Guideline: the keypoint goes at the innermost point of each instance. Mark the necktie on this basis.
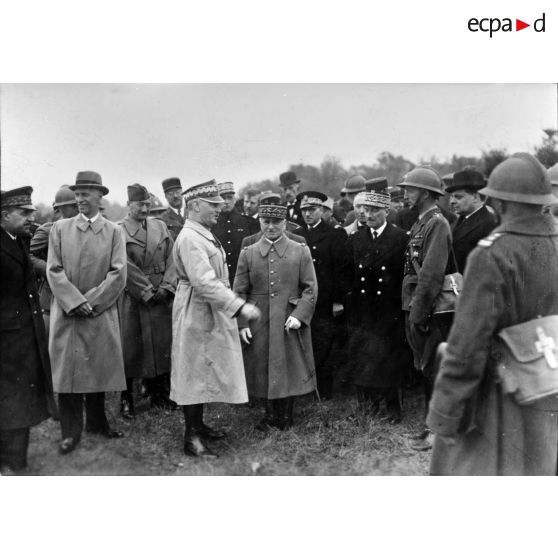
(374, 235)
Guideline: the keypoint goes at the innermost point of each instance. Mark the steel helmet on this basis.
(64, 196)
(156, 205)
(552, 173)
(354, 184)
(425, 178)
(520, 178)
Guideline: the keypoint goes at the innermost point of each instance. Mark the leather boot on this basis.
(193, 444)
(127, 410)
(205, 431)
(268, 419)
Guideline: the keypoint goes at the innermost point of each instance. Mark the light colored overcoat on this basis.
(86, 263)
(280, 280)
(206, 354)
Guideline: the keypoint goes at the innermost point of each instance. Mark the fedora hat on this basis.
(468, 178)
(90, 179)
(288, 179)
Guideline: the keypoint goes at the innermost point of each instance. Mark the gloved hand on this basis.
(292, 323)
(245, 335)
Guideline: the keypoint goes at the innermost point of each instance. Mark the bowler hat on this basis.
(18, 197)
(90, 179)
(288, 179)
(520, 178)
(171, 183)
(468, 178)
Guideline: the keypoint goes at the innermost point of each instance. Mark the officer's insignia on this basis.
(489, 240)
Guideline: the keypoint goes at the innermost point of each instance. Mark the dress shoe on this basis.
(194, 447)
(127, 409)
(67, 445)
(421, 435)
(163, 402)
(424, 445)
(209, 433)
(107, 432)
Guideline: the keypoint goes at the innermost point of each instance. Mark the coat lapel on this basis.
(11, 247)
(154, 237)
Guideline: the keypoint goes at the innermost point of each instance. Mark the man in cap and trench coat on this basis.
(174, 215)
(145, 306)
(25, 380)
(86, 271)
(378, 352)
(277, 275)
(427, 261)
(475, 221)
(206, 353)
(510, 282)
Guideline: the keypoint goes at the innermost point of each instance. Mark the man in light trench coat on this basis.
(206, 354)
(86, 271)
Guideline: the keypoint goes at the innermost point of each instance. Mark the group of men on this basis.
(216, 299)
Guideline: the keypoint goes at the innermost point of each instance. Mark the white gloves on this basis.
(292, 323)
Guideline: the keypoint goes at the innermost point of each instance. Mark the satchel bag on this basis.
(526, 359)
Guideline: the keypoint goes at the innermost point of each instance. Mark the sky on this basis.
(242, 133)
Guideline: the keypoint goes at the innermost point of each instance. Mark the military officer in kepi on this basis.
(378, 353)
(232, 226)
(427, 261)
(174, 216)
(475, 221)
(277, 275)
(327, 248)
(144, 307)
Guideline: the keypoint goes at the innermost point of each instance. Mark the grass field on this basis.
(331, 438)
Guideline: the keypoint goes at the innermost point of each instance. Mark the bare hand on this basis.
(245, 335)
(292, 323)
(250, 312)
(161, 295)
(338, 309)
(83, 310)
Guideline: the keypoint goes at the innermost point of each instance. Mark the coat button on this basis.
(379, 293)
(229, 232)
(228, 253)
(272, 272)
(380, 280)
(313, 260)
(383, 268)
(363, 291)
(271, 261)
(272, 294)
(30, 296)
(313, 247)
(272, 283)
(35, 311)
(362, 279)
(228, 241)
(360, 266)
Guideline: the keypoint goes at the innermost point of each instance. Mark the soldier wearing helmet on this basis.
(344, 209)
(427, 261)
(510, 281)
(65, 207)
(552, 208)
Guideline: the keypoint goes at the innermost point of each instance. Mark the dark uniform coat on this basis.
(230, 229)
(378, 354)
(429, 244)
(146, 327)
(280, 280)
(173, 221)
(294, 215)
(25, 379)
(510, 279)
(468, 231)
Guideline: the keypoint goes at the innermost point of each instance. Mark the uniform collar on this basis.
(195, 226)
(380, 230)
(280, 245)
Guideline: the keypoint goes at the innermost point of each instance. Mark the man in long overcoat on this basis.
(509, 280)
(145, 306)
(173, 216)
(232, 227)
(25, 380)
(86, 271)
(427, 261)
(475, 221)
(207, 362)
(378, 352)
(65, 205)
(326, 246)
(277, 275)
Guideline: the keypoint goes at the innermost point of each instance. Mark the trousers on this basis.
(71, 413)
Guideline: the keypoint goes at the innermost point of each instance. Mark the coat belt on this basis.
(155, 268)
(188, 284)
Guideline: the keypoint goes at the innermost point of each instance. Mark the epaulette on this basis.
(245, 247)
(303, 244)
(489, 240)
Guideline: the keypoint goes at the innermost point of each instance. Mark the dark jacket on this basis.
(327, 246)
(510, 279)
(25, 379)
(467, 232)
(294, 214)
(230, 229)
(38, 252)
(173, 221)
(378, 354)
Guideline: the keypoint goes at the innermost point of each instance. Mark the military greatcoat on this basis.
(378, 353)
(510, 279)
(146, 326)
(25, 379)
(280, 280)
(231, 229)
(206, 354)
(86, 263)
(173, 221)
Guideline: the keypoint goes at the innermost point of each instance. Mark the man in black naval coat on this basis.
(378, 353)
(25, 379)
(232, 227)
(326, 245)
(173, 217)
(475, 220)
